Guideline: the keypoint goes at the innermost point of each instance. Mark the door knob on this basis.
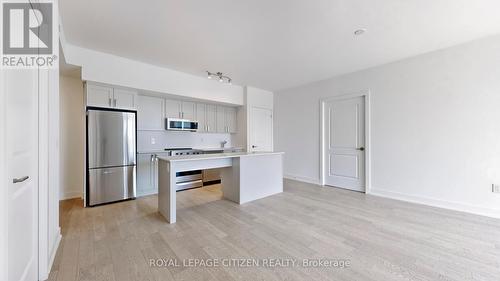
(360, 148)
(254, 146)
(18, 180)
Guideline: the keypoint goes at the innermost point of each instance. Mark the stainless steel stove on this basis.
(188, 179)
(183, 151)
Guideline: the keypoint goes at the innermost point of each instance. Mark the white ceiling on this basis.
(275, 44)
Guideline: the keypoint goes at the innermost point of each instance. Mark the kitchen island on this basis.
(244, 176)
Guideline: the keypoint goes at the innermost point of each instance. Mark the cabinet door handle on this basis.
(151, 177)
(19, 180)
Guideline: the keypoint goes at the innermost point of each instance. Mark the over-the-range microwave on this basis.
(175, 124)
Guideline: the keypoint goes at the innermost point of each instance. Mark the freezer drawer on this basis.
(111, 184)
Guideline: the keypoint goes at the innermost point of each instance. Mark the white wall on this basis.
(253, 97)
(164, 139)
(72, 119)
(435, 124)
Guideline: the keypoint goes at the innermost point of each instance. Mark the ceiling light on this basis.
(220, 76)
(360, 31)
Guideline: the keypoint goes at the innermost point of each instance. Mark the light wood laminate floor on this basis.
(383, 239)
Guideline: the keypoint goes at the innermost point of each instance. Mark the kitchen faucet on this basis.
(223, 143)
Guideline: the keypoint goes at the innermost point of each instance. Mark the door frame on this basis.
(366, 95)
(44, 261)
(3, 182)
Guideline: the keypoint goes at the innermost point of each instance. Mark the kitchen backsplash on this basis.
(158, 140)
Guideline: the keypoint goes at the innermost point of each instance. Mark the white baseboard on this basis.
(52, 254)
(54, 250)
(456, 206)
(302, 179)
(70, 195)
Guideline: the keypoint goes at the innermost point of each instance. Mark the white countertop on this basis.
(195, 148)
(213, 156)
(216, 148)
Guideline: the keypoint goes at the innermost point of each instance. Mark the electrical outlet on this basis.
(495, 188)
(153, 141)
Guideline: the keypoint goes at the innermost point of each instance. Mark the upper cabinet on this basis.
(226, 119)
(173, 108)
(109, 97)
(206, 115)
(99, 96)
(150, 113)
(231, 113)
(201, 117)
(221, 119)
(124, 98)
(211, 118)
(188, 110)
(180, 109)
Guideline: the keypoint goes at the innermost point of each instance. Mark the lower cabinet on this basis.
(147, 178)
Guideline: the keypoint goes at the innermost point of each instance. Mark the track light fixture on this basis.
(220, 76)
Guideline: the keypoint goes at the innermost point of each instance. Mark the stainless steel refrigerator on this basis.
(111, 156)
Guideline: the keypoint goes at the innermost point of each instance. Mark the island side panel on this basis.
(230, 181)
(166, 190)
(260, 176)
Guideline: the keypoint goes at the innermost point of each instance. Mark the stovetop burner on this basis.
(183, 151)
(178, 148)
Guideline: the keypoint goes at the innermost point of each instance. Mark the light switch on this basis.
(153, 141)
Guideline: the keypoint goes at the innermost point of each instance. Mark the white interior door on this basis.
(261, 129)
(344, 159)
(21, 88)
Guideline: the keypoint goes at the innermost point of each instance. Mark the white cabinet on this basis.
(206, 115)
(226, 119)
(231, 123)
(201, 112)
(188, 110)
(211, 118)
(150, 113)
(173, 108)
(109, 97)
(147, 173)
(124, 99)
(180, 109)
(147, 182)
(221, 119)
(99, 96)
